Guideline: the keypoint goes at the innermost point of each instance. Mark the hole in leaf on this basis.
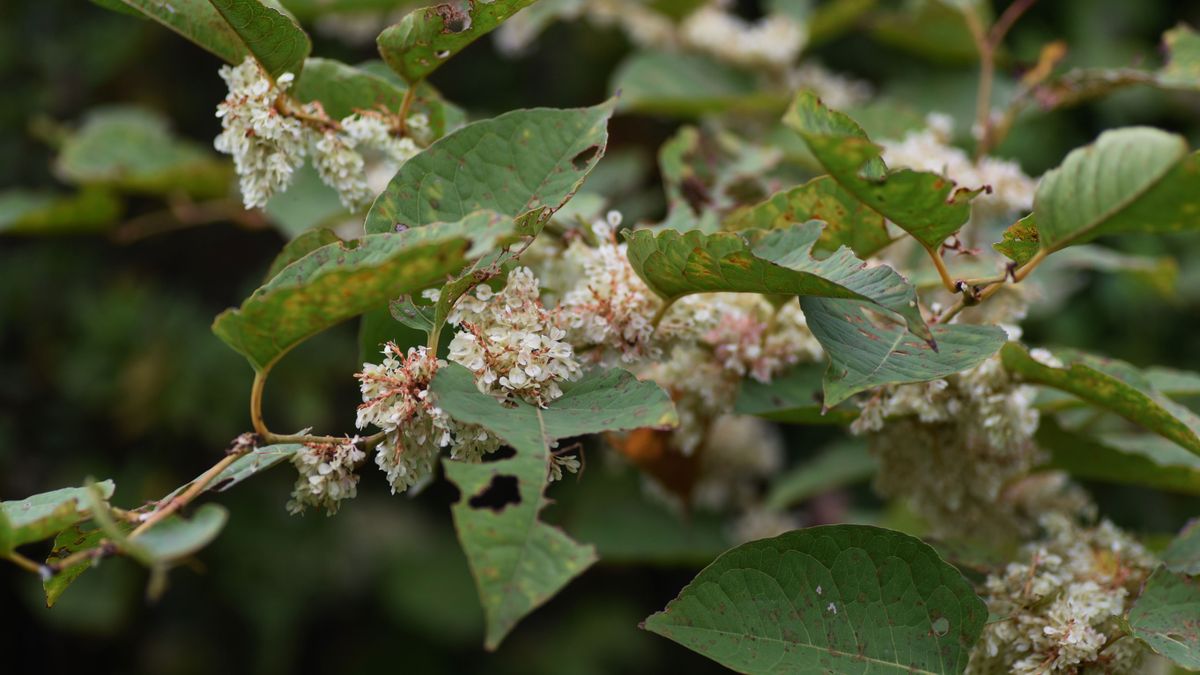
(502, 491)
(503, 452)
(941, 626)
(454, 19)
(581, 160)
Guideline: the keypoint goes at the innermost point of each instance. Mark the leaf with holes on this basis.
(1165, 617)
(831, 599)
(425, 38)
(342, 280)
(1111, 384)
(863, 355)
(848, 222)
(518, 561)
(777, 262)
(1132, 180)
(525, 164)
(44, 515)
(926, 205)
(80, 537)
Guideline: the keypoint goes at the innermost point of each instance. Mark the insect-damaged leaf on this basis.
(341, 280)
(863, 354)
(519, 562)
(427, 37)
(831, 599)
(780, 262)
(1110, 384)
(926, 205)
(524, 164)
(1132, 180)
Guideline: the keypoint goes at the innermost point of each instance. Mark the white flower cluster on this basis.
(396, 398)
(269, 143)
(774, 40)
(836, 91)
(267, 147)
(1062, 608)
(952, 446)
(511, 342)
(327, 475)
(609, 309)
(1011, 190)
(739, 451)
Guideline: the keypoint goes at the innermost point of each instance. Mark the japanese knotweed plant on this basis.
(861, 297)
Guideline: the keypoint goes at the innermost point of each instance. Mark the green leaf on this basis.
(342, 280)
(1183, 61)
(1111, 384)
(525, 164)
(298, 248)
(519, 562)
(40, 213)
(792, 398)
(269, 34)
(1020, 241)
(44, 515)
(307, 204)
(777, 262)
(688, 85)
(1164, 617)
(863, 355)
(426, 38)
(926, 205)
(1128, 458)
(133, 149)
(251, 464)
(1131, 180)
(934, 29)
(1183, 555)
(844, 462)
(343, 90)
(848, 222)
(80, 537)
(832, 599)
(198, 21)
(176, 537)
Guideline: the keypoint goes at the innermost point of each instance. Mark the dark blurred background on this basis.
(108, 367)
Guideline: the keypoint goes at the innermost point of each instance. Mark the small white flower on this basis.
(327, 475)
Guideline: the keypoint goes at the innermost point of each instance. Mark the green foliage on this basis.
(342, 89)
(864, 354)
(525, 164)
(687, 85)
(41, 213)
(425, 38)
(1183, 555)
(842, 463)
(44, 515)
(1134, 180)
(925, 205)
(1128, 458)
(793, 397)
(834, 598)
(1164, 617)
(518, 561)
(132, 149)
(776, 262)
(339, 281)
(848, 222)
(1111, 384)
